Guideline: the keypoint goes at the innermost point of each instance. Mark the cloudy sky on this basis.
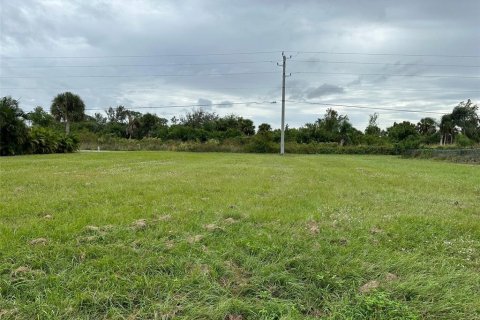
(151, 55)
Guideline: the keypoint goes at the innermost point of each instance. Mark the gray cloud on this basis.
(148, 31)
(324, 90)
(225, 104)
(205, 104)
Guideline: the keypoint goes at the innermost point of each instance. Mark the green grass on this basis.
(237, 236)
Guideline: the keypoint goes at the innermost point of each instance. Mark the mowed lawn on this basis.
(163, 235)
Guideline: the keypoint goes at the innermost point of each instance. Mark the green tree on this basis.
(372, 128)
(117, 115)
(40, 117)
(13, 131)
(465, 116)
(133, 123)
(199, 119)
(447, 129)
(68, 107)
(149, 125)
(264, 128)
(427, 126)
(401, 131)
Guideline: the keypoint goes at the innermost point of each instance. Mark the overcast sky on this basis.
(161, 53)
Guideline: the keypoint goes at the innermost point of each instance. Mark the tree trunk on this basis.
(67, 127)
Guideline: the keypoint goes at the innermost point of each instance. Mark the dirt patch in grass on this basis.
(140, 224)
(230, 221)
(369, 286)
(212, 227)
(376, 230)
(92, 228)
(166, 217)
(195, 238)
(25, 271)
(313, 227)
(20, 271)
(39, 242)
(88, 239)
(339, 241)
(389, 277)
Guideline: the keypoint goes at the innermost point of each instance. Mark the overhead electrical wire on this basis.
(363, 107)
(397, 89)
(127, 88)
(386, 74)
(195, 105)
(385, 54)
(144, 56)
(240, 73)
(248, 73)
(274, 102)
(237, 63)
(247, 53)
(140, 75)
(399, 64)
(141, 65)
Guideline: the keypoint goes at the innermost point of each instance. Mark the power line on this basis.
(140, 76)
(238, 62)
(387, 54)
(242, 53)
(141, 65)
(144, 56)
(196, 105)
(131, 89)
(364, 107)
(310, 86)
(240, 73)
(381, 88)
(390, 64)
(386, 74)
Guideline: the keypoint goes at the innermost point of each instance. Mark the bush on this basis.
(46, 140)
(463, 141)
(411, 142)
(13, 131)
(69, 143)
(261, 143)
(43, 140)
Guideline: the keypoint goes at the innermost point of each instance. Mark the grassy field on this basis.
(162, 235)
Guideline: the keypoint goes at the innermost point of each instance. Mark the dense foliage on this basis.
(199, 130)
(44, 135)
(13, 131)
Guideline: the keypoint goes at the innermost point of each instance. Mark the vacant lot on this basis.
(232, 236)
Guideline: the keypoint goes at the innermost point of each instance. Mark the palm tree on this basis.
(427, 126)
(447, 129)
(68, 107)
(133, 123)
(13, 132)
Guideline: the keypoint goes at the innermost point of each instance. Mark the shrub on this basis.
(261, 143)
(13, 131)
(46, 140)
(43, 140)
(464, 141)
(69, 143)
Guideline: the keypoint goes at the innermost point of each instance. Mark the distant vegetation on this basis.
(67, 127)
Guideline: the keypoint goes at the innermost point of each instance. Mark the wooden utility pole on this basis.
(282, 136)
(282, 129)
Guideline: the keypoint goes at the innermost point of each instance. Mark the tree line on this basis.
(66, 125)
